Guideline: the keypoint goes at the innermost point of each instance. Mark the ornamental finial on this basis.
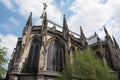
(45, 5)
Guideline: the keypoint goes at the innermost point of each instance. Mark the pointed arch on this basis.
(33, 56)
(55, 55)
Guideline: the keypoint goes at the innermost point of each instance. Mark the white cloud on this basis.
(24, 7)
(54, 14)
(5, 27)
(8, 4)
(8, 41)
(13, 20)
(92, 15)
(62, 4)
(36, 7)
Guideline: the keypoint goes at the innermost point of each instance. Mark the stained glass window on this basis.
(32, 62)
(54, 57)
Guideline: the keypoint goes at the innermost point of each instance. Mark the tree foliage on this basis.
(87, 66)
(3, 61)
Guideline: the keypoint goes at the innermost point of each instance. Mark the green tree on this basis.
(3, 61)
(87, 66)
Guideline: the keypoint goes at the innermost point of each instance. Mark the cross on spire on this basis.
(45, 5)
(44, 10)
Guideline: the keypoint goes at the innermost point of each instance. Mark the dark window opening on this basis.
(55, 56)
(33, 56)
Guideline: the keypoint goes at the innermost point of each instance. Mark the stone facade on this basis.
(42, 50)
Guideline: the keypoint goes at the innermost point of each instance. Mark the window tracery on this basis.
(54, 57)
(32, 62)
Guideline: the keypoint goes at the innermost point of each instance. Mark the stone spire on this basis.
(107, 35)
(28, 24)
(83, 38)
(45, 20)
(112, 55)
(44, 16)
(115, 42)
(29, 21)
(27, 31)
(65, 27)
(95, 34)
(106, 32)
(67, 38)
(82, 34)
(43, 49)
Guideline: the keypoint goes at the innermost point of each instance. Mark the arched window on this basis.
(55, 56)
(32, 61)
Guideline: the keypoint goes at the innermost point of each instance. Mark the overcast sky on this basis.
(90, 14)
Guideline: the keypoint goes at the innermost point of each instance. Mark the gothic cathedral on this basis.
(42, 50)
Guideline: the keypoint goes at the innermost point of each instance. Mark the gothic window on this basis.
(32, 62)
(54, 58)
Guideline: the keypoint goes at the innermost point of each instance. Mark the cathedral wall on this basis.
(26, 51)
(43, 54)
(23, 40)
(27, 78)
(49, 78)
